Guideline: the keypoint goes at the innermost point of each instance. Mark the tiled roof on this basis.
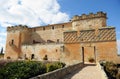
(103, 34)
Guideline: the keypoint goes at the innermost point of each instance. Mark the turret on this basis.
(16, 36)
(90, 21)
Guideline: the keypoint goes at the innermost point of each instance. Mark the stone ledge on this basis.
(59, 73)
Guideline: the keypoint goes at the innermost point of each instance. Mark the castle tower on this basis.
(16, 36)
(90, 21)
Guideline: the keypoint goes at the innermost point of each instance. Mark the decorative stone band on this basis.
(103, 34)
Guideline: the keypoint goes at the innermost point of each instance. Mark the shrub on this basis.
(26, 69)
(45, 58)
(118, 76)
(54, 66)
(111, 69)
(22, 70)
(91, 59)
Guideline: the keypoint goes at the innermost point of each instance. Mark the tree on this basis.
(1, 52)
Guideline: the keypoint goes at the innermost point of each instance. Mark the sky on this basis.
(43, 12)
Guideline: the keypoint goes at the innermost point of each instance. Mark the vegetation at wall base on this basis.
(111, 70)
(26, 69)
(91, 59)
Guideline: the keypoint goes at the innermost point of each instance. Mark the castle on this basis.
(83, 37)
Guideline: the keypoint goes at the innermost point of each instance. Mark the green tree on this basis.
(1, 52)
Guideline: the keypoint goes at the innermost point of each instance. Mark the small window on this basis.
(58, 40)
(33, 41)
(56, 50)
(32, 56)
(62, 26)
(62, 48)
(43, 28)
(12, 42)
(53, 27)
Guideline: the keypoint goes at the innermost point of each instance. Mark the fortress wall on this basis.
(72, 53)
(104, 51)
(104, 43)
(12, 45)
(26, 36)
(107, 51)
(53, 32)
(89, 21)
(53, 51)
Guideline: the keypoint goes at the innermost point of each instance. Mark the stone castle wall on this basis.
(104, 43)
(91, 21)
(53, 33)
(64, 41)
(53, 51)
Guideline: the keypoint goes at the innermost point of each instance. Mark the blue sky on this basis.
(43, 12)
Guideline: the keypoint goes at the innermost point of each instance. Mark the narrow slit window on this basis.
(53, 27)
(43, 28)
(32, 56)
(62, 26)
(12, 42)
(58, 40)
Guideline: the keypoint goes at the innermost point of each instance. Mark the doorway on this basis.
(89, 54)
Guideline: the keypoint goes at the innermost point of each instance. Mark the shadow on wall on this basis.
(36, 38)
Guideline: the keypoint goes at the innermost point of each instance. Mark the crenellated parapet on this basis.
(89, 16)
(17, 28)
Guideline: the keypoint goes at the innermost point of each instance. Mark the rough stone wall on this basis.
(16, 36)
(12, 45)
(104, 43)
(64, 41)
(53, 51)
(50, 32)
(106, 51)
(91, 21)
(72, 53)
(60, 73)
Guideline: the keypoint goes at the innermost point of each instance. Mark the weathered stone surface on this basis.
(65, 41)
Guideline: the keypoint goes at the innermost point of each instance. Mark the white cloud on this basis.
(31, 12)
(3, 33)
(118, 46)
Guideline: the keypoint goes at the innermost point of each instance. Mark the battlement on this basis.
(17, 27)
(89, 16)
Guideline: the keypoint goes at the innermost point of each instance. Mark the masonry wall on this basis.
(103, 51)
(82, 31)
(107, 51)
(53, 51)
(72, 53)
(53, 33)
(12, 45)
(91, 21)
